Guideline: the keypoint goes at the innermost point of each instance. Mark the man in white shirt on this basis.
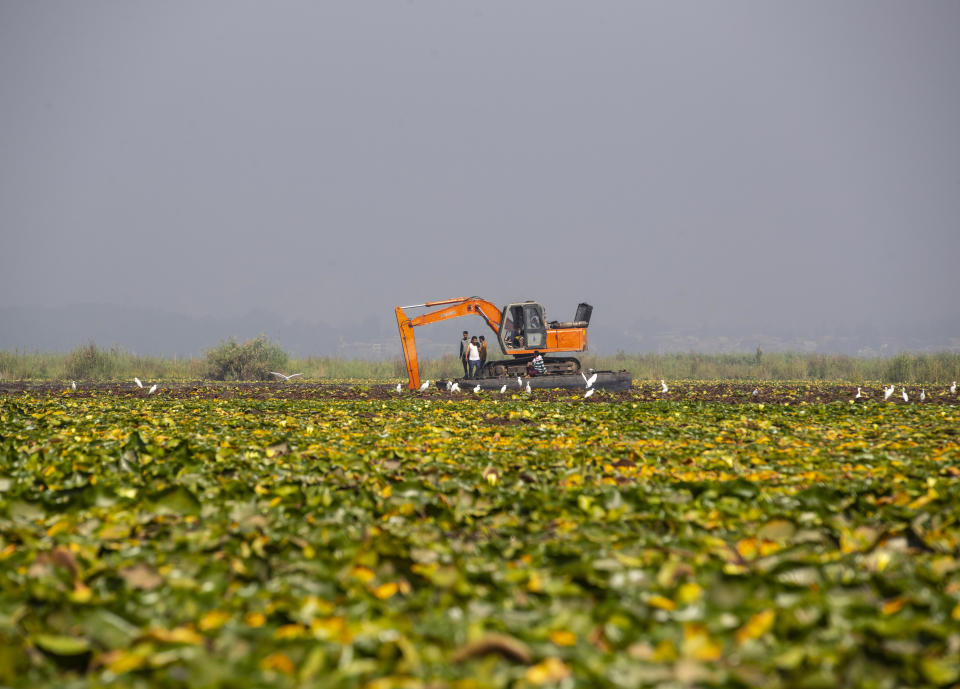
(473, 358)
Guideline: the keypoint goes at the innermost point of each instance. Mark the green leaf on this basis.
(941, 671)
(61, 645)
(777, 530)
(177, 500)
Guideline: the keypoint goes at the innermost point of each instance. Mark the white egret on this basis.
(858, 394)
(519, 382)
(449, 385)
(73, 385)
(923, 394)
(503, 389)
(399, 388)
(286, 377)
(953, 388)
(589, 392)
(153, 389)
(476, 390)
(904, 391)
(528, 386)
(755, 394)
(663, 386)
(424, 385)
(137, 381)
(591, 380)
(584, 375)
(455, 387)
(887, 392)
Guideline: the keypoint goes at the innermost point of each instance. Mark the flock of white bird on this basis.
(888, 393)
(588, 386)
(153, 388)
(664, 388)
(589, 389)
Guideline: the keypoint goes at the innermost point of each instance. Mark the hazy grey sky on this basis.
(781, 163)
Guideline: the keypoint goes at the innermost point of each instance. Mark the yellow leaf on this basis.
(180, 635)
(81, 593)
(562, 637)
(747, 548)
(535, 583)
(255, 619)
(662, 602)
(769, 547)
(59, 527)
(698, 644)
(126, 661)
(893, 606)
(290, 631)
(664, 652)
(550, 670)
(213, 620)
(331, 628)
(362, 573)
(385, 591)
(689, 592)
(278, 661)
(386, 492)
(757, 626)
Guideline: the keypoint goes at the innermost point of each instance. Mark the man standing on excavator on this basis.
(463, 351)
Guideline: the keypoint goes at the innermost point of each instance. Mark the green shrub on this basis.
(252, 360)
(89, 363)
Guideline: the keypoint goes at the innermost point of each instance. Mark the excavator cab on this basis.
(523, 327)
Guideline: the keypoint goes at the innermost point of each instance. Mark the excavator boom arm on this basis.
(454, 308)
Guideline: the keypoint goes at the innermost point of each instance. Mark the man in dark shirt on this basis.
(463, 351)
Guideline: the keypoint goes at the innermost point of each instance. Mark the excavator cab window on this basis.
(536, 328)
(512, 332)
(523, 327)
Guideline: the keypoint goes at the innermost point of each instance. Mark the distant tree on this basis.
(759, 355)
(252, 360)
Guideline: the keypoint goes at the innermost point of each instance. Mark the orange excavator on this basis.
(521, 329)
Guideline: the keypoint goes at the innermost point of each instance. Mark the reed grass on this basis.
(90, 363)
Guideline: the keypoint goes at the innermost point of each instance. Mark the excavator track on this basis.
(505, 368)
